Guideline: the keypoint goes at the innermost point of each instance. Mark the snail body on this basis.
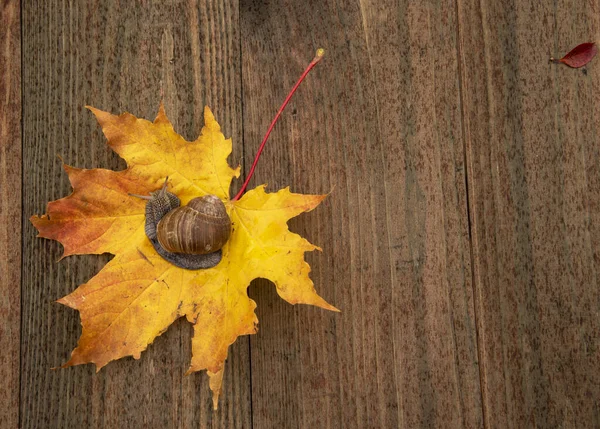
(191, 236)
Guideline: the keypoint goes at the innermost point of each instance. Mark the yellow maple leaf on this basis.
(138, 294)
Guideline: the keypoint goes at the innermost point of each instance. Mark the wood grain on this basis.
(10, 211)
(378, 124)
(461, 238)
(116, 56)
(532, 137)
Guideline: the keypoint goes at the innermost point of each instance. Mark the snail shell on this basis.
(200, 227)
(195, 233)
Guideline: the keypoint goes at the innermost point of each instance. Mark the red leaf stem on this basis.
(316, 59)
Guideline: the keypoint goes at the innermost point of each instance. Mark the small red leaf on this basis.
(579, 56)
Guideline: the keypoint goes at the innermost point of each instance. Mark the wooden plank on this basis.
(10, 211)
(115, 56)
(532, 136)
(378, 122)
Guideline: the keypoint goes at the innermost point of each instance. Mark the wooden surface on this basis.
(533, 151)
(10, 211)
(394, 230)
(460, 240)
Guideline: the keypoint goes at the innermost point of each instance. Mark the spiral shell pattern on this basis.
(201, 227)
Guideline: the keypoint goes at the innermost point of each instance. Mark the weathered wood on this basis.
(378, 123)
(115, 56)
(532, 138)
(435, 316)
(10, 211)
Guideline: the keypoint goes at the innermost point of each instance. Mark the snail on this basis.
(191, 236)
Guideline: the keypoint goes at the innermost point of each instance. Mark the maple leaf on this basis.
(138, 294)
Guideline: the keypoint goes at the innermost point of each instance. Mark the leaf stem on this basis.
(316, 59)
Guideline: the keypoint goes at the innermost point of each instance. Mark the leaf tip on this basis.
(72, 300)
(99, 114)
(69, 362)
(161, 116)
(102, 117)
(215, 381)
(35, 221)
(209, 120)
(310, 298)
(325, 305)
